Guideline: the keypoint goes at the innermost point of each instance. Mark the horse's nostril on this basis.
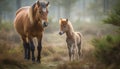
(45, 24)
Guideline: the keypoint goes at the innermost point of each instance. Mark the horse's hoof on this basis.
(38, 61)
(33, 60)
(28, 58)
(25, 58)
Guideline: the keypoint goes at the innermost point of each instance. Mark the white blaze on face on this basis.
(44, 9)
(43, 22)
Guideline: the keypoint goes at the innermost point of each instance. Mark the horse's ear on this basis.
(47, 4)
(60, 20)
(33, 6)
(38, 3)
(66, 20)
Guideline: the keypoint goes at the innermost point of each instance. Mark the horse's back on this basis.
(20, 19)
(22, 9)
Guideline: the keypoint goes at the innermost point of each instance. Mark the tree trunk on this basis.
(67, 12)
(0, 17)
(59, 11)
(105, 6)
(18, 3)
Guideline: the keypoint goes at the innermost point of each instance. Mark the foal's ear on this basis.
(66, 20)
(60, 18)
(47, 4)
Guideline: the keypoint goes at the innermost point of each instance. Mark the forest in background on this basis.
(85, 10)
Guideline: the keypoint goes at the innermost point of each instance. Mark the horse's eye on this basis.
(40, 12)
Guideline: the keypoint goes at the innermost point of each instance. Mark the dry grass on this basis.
(54, 50)
(11, 56)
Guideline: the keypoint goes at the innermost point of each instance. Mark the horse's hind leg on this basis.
(32, 47)
(26, 48)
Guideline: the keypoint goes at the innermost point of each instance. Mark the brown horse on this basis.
(30, 22)
(73, 38)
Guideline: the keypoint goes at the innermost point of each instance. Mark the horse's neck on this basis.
(69, 33)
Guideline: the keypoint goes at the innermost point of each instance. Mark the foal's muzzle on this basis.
(45, 24)
(61, 32)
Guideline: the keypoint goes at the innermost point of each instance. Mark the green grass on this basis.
(107, 50)
(7, 26)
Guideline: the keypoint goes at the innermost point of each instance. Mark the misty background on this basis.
(81, 10)
(97, 20)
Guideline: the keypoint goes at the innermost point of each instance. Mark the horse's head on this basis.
(63, 26)
(40, 12)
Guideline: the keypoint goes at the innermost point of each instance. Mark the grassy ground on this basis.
(54, 52)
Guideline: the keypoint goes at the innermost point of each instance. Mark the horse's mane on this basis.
(30, 14)
(70, 25)
(29, 10)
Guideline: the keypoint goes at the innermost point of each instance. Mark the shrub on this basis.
(107, 50)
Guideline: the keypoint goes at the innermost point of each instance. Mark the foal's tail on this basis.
(80, 35)
(82, 40)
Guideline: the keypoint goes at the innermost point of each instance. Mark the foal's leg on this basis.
(69, 51)
(73, 51)
(26, 48)
(39, 48)
(32, 47)
(79, 49)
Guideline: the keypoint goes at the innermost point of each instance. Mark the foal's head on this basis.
(64, 26)
(40, 12)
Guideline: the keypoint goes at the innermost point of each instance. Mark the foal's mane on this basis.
(70, 26)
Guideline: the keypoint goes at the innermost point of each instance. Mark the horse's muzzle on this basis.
(60, 33)
(45, 24)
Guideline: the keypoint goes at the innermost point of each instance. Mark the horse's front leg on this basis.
(39, 48)
(32, 47)
(26, 48)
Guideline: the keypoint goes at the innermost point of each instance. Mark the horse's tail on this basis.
(80, 35)
(82, 40)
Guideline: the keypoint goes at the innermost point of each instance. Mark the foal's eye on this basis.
(64, 26)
